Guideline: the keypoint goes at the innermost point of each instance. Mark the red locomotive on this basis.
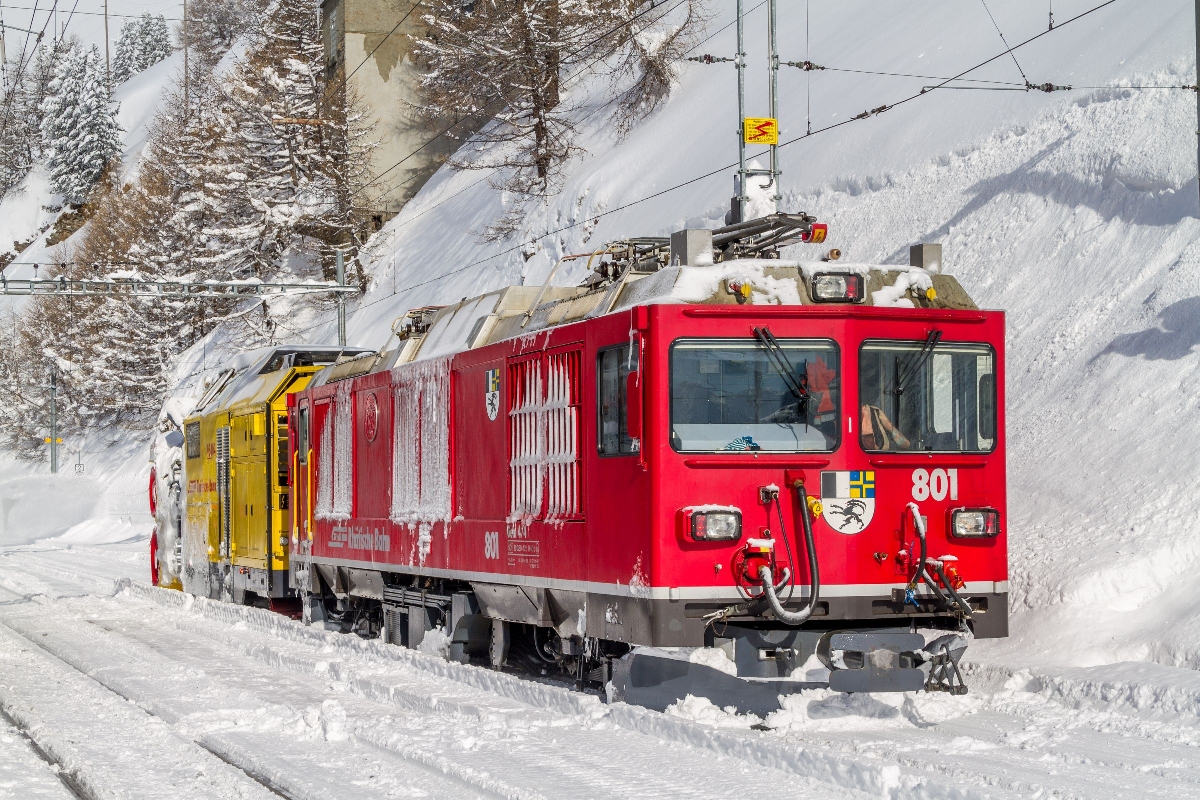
(702, 453)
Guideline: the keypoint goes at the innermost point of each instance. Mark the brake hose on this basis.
(787, 544)
(919, 524)
(922, 571)
(962, 604)
(768, 581)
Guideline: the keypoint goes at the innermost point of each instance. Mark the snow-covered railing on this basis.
(198, 290)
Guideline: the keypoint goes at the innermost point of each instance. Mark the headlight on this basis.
(837, 287)
(716, 525)
(975, 523)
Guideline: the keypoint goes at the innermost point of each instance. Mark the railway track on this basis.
(298, 712)
(298, 722)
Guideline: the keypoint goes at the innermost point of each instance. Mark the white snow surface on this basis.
(116, 680)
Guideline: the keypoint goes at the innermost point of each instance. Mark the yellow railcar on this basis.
(236, 514)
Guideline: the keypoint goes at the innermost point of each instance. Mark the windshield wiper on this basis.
(909, 370)
(784, 367)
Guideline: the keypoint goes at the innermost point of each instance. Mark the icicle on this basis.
(421, 443)
(324, 509)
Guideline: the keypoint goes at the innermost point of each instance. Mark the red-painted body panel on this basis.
(623, 525)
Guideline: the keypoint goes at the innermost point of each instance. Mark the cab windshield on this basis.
(931, 396)
(734, 394)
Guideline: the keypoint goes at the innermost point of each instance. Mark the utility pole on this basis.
(107, 64)
(186, 105)
(1198, 91)
(3, 56)
(773, 57)
(53, 421)
(341, 298)
(740, 63)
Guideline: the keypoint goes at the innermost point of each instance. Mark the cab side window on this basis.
(302, 436)
(613, 366)
(191, 432)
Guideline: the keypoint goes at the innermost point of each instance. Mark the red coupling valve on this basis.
(956, 581)
(750, 560)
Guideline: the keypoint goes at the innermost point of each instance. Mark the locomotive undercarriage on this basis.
(865, 643)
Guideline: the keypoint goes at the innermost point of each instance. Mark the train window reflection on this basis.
(932, 396)
(731, 394)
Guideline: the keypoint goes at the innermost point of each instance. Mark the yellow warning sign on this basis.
(760, 130)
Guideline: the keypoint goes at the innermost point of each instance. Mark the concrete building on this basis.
(381, 70)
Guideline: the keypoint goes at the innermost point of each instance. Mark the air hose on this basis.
(768, 581)
(922, 570)
(962, 604)
(919, 524)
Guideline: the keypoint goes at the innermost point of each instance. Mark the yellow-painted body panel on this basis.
(242, 518)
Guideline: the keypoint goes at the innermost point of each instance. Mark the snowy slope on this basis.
(430, 242)
(1075, 212)
(23, 213)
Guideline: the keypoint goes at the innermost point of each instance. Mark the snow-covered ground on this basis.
(132, 692)
(1075, 212)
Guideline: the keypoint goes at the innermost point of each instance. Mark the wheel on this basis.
(498, 646)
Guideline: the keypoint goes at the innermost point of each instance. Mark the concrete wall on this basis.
(387, 83)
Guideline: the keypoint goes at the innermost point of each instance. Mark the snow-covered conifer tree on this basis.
(80, 133)
(124, 63)
(143, 43)
(21, 113)
(155, 40)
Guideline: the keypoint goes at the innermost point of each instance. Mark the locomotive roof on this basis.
(259, 372)
(506, 313)
(510, 312)
(735, 264)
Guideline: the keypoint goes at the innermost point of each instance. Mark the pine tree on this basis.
(124, 63)
(20, 109)
(80, 133)
(143, 43)
(155, 40)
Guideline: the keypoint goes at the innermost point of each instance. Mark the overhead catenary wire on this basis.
(101, 13)
(864, 115)
(924, 91)
(809, 66)
(1010, 52)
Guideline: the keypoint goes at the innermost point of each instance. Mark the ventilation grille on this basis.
(544, 415)
(223, 487)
